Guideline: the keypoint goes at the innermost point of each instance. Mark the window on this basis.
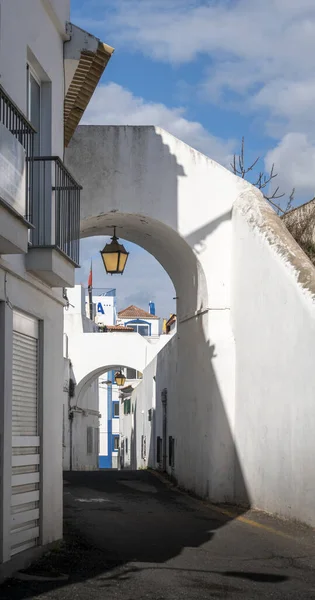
(126, 446)
(127, 406)
(116, 442)
(132, 374)
(139, 326)
(171, 451)
(96, 440)
(34, 105)
(89, 440)
(143, 329)
(116, 410)
(64, 427)
(158, 449)
(143, 447)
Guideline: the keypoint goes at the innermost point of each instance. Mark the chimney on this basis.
(152, 308)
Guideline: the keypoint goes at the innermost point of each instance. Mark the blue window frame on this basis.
(115, 443)
(140, 326)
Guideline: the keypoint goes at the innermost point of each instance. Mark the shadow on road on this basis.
(122, 525)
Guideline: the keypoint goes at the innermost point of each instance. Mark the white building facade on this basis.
(109, 421)
(105, 308)
(143, 322)
(80, 424)
(97, 352)
(146, 324)
(40, 91)
(238, 379)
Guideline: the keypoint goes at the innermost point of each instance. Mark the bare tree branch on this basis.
(241, 171)
(263, 179)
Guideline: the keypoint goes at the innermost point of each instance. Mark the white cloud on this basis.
(179, 30)
(290, 105)
(114, 105)
(251, 45)
(261, 62)
(294, 158)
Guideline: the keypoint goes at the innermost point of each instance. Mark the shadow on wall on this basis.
(197, 441)
(206, 458)
(143, 204)
(138, 191)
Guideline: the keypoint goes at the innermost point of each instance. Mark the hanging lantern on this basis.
(114, 256)
(120, 378)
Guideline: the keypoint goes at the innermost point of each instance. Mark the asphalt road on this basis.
(131, 536)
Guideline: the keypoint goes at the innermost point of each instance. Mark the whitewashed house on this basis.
(105, 307)
(48, 71)
(109, 421)
(80, 423)
(145, 323)
(111, 409)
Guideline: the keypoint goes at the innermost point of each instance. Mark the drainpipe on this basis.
(164, 421)
(71, 415)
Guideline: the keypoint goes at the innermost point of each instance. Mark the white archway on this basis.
(92, 354)
(176, 203)
(164, 196)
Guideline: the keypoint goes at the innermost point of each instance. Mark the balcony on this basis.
(55, 214)
(16, 146)
(37, 194)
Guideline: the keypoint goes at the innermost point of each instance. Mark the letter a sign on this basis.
(100, 308)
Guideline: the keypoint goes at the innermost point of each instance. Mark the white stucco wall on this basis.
(105, 307)
(92, 354)
(43, 306)
(75, 323)
(66, 463)
(34, 29)
(82, 461)
(74, 443)
(274, 325)
(29, 34)
(75, 319)
(157, 376)
(176, 203)
(60, 8)
(273, 310)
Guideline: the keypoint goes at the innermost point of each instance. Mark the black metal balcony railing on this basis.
(52, 202)
(14, 120)
(55, 202)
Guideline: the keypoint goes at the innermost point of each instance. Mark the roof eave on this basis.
(93, 58)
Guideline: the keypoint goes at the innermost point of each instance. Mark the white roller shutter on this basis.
(24, 385)
(25, 499)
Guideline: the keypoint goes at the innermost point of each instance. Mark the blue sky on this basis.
(209, 71)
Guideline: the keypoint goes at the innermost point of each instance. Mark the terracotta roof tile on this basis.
(117, 328)
(135, 312)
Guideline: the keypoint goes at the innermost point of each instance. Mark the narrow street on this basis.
(131, 536)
